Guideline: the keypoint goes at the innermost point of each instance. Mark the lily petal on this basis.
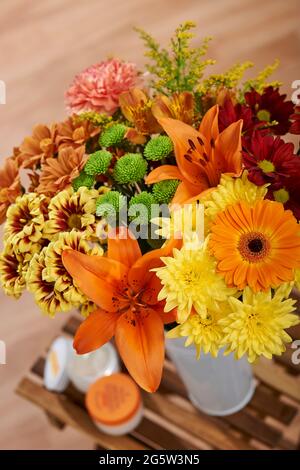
(228, 149)
(140, 341)
(164, 172)
(209, 125)
(185, 192)
(167, 317)
(183, 136)
(149, 296)
(123, 247)
(85, 272)
(95, 331)
(139, 275)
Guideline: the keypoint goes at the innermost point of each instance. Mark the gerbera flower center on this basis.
(74, 221)
(253, 246)
(266, 166)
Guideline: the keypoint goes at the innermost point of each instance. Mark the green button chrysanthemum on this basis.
(98, 163)
(130, 168)
(113, 135)
(140, 207)
(158, 148)
(110, 204)
(83, 180)
(163, 191)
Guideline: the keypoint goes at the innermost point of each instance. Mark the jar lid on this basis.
(55, 373)
(113, 400)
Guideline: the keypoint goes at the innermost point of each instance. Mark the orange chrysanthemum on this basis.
(58, 173)
(10, 186)
(256, 246)
(36, 148)
(74, 133)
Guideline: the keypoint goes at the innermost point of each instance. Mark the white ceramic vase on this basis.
(217, 386)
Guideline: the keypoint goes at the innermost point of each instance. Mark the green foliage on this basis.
(164, 191)
(158, 148)
(112, 135)
(110, 204)
(83, 180)
(140, 206)
(98, 163)
(130, 168)
(181, 67)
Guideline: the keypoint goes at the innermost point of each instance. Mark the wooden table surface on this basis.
(43, 43)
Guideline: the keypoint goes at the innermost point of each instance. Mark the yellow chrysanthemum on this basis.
(13, 269)
(182, 223)
(205, 334)
(190, 280)
(49, 300)
(55, 270)
(70, 210)
(256, 325)
(230, 191)
(25, 222)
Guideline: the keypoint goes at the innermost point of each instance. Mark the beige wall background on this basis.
(43, 43)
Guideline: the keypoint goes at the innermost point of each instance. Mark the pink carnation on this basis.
(99, 86)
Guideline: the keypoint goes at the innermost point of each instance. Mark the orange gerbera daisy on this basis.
(201, 156)
(58, 173)
(125, 290)
(258, 246)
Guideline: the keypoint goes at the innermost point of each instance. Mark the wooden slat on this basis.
(217, 432)
(266, 403)
(157, 437)
(262, 401)
(254, 427)
(286, 360)
(72, 325)
(205, 428)
(148, 432)
(38, 367)
(274, 376)
(73, 415)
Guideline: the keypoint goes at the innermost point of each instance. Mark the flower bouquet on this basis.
(166, 197)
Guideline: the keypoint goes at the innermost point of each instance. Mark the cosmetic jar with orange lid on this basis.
(115, 404)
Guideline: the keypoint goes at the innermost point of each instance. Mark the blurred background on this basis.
(43, 44)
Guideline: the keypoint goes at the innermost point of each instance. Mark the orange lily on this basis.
(136, 107)
(125, 290)
(178, 106)
(201, 156)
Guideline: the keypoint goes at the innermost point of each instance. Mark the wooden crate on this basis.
(270, 421)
